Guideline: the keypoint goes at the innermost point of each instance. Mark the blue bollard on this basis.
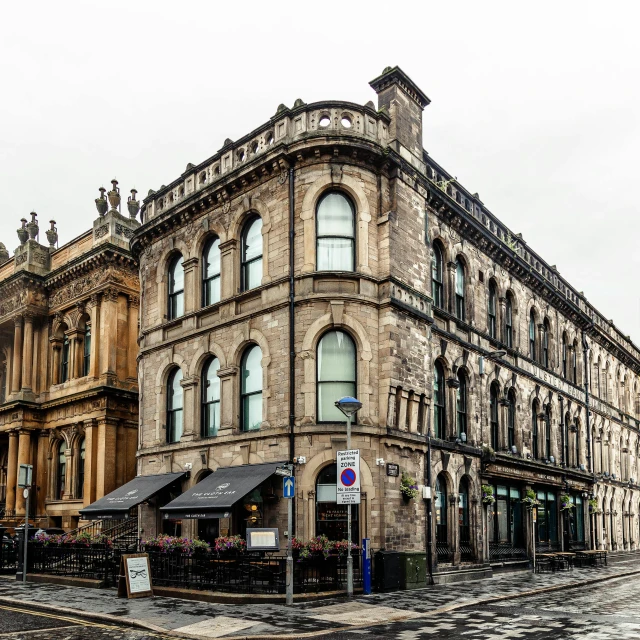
(366, 566)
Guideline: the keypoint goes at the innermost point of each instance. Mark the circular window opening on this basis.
(203, 177)
(181, 191)
(216, 171)
(325, 121)
(346, 122)
(269, 138)
(254, 147)
(171, 197)
(241, 155)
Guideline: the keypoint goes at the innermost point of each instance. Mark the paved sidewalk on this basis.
(189, 619)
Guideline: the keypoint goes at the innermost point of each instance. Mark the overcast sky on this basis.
(536, 106)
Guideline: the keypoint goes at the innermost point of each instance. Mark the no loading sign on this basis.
(348, 485)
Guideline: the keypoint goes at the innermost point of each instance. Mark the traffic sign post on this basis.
(289, 492)
(348, 492)
(25, 476)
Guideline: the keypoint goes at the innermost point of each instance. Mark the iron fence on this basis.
(505, 552)
(8, 556)
(444, 552)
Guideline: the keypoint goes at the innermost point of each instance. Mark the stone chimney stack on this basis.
(404, 102)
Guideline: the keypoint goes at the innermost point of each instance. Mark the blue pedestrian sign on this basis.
(288, 487)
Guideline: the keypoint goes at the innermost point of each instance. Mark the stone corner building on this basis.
(68, 370)
(327, 254)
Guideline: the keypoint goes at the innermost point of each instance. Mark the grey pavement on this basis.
(480, 609)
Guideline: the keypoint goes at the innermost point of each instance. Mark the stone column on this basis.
(24, 457)
(17, 355)
(540, 343)
(37, 359)
(229, 408)
(132, 351)
(68, 475)
(229, 274)
(94, 312)
(190, 284)
(56, 345)
(105, 456)
(89, 491)
(451, 287)
(109, 332)
(42, 472)
(27, 353)
(190, 397)
(501, 320)
(12, 473)
(455, 530)
(75, 353)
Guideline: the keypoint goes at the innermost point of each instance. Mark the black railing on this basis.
(547, 547)
(506, 552)
(241, 573)
(444, 553)
(8, 556)
(248, 573)
(97, 562)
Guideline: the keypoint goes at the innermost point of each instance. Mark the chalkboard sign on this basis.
(135, 576)
(393, 469)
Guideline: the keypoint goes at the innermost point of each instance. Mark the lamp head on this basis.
(348, 405)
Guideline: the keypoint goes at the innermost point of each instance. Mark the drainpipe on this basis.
(585, 348)
(292, 348)
(428, 502)
(563, 434)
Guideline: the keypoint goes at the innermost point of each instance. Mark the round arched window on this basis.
(335, 233)
(336, 363)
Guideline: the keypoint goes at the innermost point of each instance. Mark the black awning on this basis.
(117, 503)
(218, 492)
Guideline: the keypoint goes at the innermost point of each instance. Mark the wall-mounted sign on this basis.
(393, 470)
(135, 576)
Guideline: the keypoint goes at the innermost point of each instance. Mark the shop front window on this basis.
(442, 538)
(505, 526)
(331, 518)
(466, 551)
(547, 525)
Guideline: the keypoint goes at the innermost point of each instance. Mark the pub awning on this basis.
(216, 494)
(116, 504)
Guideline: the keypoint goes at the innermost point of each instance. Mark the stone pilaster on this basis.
(12, 473)
(16, 382)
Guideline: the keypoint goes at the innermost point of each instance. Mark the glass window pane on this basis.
(336, 358)
(335, 254)
(328, 393)
(459, 279)
(176, 279)
(326, 493)
(177, 305)
(212, 419)
(212, 381)
(253, 240)
(177, 426)
(212, 290)
(175, 390)
(252, 370)
(335, 216)
(253, 274)
(252, 412)
(212, 259)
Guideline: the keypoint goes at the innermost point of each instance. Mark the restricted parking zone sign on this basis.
(348, 485)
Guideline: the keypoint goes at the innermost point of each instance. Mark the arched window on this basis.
(508, 321)
(439, 407)
(211, 272)
(64, 360)
(176, 288)
(460, 290)
(547, 431)
(174, 406)
(331, 518)
(532, 334)
(534, 430)
(437, 283)
(336, 363)
(86, 363)
(82, 452)
(62, 470)
(251, 392)
(210, 398)
(599, 385)
(511, 419)
(251, 266)
(442, 538)
(493, 415)
(461, 403)
(545, 343)
(564, 355)
(335, 233)
(466, 550)
(492, 319)
(574, 363)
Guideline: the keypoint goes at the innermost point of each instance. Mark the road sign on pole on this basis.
(348, 486)
(288, 487)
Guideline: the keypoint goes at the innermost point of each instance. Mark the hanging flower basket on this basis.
(487, 494)
(530, 499)
(408, 487)
(565, 502)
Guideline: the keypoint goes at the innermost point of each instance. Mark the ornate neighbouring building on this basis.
(68, 371)
(327, 254)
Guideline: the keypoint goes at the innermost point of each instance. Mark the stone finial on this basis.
(32, 226)
(298, 103)
(101, 202)
(114, 195)
(133, 205)
(52, 234)
(4, 254)
(23, 234)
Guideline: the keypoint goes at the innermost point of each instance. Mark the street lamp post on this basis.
(349, 406)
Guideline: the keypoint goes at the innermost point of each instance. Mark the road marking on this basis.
(12, 634)
(75, 621)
